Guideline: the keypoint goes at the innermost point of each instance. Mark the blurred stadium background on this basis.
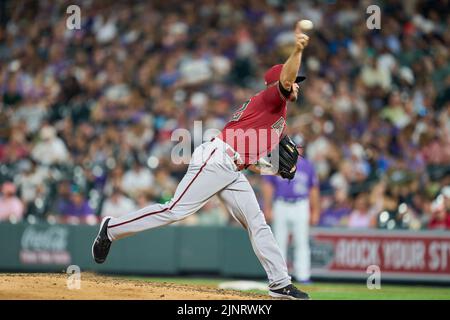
(87, 115)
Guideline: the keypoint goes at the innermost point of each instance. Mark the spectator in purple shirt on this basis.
(337, 213)
(295, 206)
(77, 209)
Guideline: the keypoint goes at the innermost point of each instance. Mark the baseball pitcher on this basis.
(255, 130)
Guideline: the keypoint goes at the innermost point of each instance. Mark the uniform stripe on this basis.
(165, 209)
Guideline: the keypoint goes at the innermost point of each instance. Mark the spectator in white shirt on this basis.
(50, 149)
(137, 179)
(117, 204)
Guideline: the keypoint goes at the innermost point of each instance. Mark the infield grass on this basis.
(335, 291)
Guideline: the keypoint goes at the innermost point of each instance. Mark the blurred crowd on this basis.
(87, 115)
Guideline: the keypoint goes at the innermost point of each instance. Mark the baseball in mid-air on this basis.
(306, 25)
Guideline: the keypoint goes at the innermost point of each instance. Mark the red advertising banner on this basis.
(399, 255)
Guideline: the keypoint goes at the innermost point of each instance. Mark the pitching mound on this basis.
(97, 287)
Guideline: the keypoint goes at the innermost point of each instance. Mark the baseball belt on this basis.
(234, 155)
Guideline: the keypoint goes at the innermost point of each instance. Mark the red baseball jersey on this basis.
(257, 126)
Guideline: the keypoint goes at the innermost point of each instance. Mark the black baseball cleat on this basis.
(289, 292)
(101, 245)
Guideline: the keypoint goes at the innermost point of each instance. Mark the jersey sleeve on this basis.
(273, 95)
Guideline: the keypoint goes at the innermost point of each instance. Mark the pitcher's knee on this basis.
(168, 213)
(177, 213)
(176, 216)
(261, 229)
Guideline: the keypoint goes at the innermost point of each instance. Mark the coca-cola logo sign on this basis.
(46, 245)
(50, 239)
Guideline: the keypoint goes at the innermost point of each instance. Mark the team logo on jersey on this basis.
(237, 115)
(279, 125)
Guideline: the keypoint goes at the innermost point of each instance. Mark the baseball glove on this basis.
(288, 156)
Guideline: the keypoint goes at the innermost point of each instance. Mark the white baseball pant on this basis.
(294, 217)
(212, 171)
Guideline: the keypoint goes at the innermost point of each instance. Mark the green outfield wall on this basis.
(225, 251)
(170, 250)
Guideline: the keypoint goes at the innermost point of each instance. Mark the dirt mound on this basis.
(98, 287)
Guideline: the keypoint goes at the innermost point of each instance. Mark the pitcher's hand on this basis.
(301, 39)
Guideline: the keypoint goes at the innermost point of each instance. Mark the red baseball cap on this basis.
(273, 75)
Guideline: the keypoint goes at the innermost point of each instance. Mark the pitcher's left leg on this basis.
(241, 202)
